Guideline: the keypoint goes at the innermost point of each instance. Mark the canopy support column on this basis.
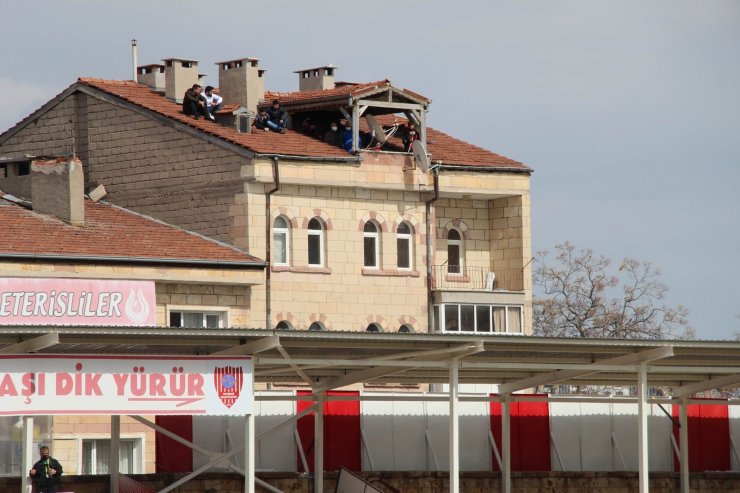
(454, 428)
(642, 429)
(115, 451)
(318, 455)
(506, 443)
(26, 454)
(249, 454)
(683, 437)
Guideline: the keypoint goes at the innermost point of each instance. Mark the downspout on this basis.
(430, 279)
(268, 238)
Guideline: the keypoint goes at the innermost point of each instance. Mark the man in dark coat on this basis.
(46, 472)
(278, 117)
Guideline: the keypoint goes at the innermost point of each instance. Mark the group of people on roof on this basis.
(274, 118)
(199, 103)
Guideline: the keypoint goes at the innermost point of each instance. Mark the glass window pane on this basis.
(126, 457)
(453, 259)
(280, 223)
(314, 224)
(437, 318)
(192, 319)
(483, 318)
(499, 320)
(467, 317)
(175, 319)
(87, 451)
(102, 455)
(402, 245)
(314, 249)
(451, 318)
(515, 319)
(453, 235)
(280, 250)
(403, 229)
(370, 228)
(213, 321)
(370, 252)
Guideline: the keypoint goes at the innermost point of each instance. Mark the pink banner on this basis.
(25, 301)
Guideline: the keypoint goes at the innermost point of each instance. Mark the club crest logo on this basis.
(228, 381)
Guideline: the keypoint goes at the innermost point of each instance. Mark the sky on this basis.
(627, 110)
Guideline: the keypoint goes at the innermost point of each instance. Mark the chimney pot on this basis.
(180, 75)
(242, 82)
(316, 79)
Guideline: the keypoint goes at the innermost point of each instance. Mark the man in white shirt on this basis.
(214, 102)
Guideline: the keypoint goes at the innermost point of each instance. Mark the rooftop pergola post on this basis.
(115, 451)
(26, 454)
(318, 454)
(506, 443)
(249, 453)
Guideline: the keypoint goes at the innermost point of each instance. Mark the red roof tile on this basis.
(290, 143)
(108, 232)
(443, 147)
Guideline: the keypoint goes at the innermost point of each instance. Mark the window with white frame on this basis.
(96, 454)
(197, 319)
(482, 319)
(315, 243)
(280, 241)
(404, 246)
(454, 252)
(371, 245)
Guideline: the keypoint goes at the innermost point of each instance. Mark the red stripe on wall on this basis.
(172, 456)
(530, 435)
(342, 436)
(709, 437)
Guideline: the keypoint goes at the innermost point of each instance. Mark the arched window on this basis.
(280, 241)
(404, 246)
(371, 245)
(454, 253)
(374, 327)
(284, 325)
(315, 243)
(406, 329)
(316, 326)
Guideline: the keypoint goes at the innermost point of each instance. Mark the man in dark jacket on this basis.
(194, 103)
(278, 117)
(46, 472)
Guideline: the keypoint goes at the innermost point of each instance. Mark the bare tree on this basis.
(581, 298)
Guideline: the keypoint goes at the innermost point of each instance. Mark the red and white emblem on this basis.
(228, 381)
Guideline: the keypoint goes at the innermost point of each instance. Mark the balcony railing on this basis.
(472, 278)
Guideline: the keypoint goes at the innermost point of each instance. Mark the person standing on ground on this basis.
(46, 472)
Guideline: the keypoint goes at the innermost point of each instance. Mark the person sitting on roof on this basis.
(278, 117)
(194, 104)
(410, 135)
(346, 135)
(260, 121)
(214, 102)
(332, 136)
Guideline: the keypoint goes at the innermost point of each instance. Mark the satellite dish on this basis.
(376, 128)
(420, 155)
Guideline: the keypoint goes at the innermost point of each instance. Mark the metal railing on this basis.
(473, 278)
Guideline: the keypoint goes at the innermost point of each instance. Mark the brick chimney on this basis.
(242, 82)
(58, 189)
(151, 75)
(180, 75)
(316, 79)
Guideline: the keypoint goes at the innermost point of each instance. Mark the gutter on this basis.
(133, 260)
(310, 158)
(268, 238)
(430, 280)
(483, 168)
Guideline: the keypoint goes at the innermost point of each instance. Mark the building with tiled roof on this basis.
(372, 239)
(71, 260)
